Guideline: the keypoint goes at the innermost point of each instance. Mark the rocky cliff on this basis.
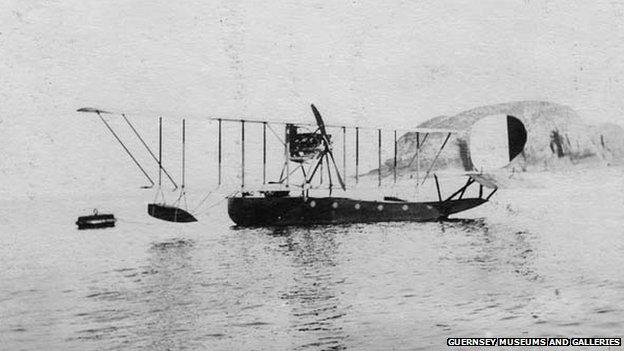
(557, 137)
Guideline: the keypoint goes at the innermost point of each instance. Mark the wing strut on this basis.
(395, 156)
(357, 155)
(160, 166)
(418, 158)
(99, 113)
(264, 143)
(436, 158)
(242, 154)
(419, 145)
(219, 152)
(379, 157)
(344, 152)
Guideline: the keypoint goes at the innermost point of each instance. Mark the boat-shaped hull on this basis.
(282, 211)
(170, 213)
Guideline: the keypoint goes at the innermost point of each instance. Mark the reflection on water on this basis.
(493, 247)
(168, 294)
(313, 297)
(500, 255)
(158, 295)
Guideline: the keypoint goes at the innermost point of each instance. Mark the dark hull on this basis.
(96, 225)
(259, 211)
(96, 221)
(170, 213)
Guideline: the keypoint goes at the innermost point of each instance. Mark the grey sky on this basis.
(355, 59)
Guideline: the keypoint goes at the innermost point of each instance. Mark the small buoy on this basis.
(96, 221)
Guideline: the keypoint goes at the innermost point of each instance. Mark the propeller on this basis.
(321, 126)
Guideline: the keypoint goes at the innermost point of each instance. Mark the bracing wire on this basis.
(205, 198)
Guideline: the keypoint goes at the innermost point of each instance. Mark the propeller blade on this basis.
(342, 184)
(319, 119)
(321, 126)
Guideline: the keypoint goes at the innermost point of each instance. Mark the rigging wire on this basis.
(126, 149)
(149, 150)
(196, 211)
(276, 135)
(211, 192)
(121, 219)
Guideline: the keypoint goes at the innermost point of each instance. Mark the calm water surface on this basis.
(542, 259)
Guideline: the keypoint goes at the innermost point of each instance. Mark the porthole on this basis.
(357, 206)
(380, 207)
(312, 203)
(404, 207)
(335, 205)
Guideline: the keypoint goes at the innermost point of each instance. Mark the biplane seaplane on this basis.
(296, 197)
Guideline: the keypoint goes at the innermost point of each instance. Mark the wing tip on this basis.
(91, 110)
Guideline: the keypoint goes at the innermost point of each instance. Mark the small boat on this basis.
(96, 221)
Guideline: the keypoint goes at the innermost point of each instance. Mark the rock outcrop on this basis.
(557, 138)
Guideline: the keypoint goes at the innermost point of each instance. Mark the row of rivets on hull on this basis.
(358, 206)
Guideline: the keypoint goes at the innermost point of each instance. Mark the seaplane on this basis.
(300, 196)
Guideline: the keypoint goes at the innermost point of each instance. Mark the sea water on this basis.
(543, 258)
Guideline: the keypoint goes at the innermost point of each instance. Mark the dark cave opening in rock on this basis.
(516, 136)
(556, 144)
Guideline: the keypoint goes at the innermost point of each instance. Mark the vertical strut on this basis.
(417, 160)
(264, 124)
(329, 175)
(357, 154)
(344, 154)
(183, 151)
(438, 187)
(379, 157)
(219, 151)
(321, 171)
(242, 153)
(159, 151)
(149, 150)
(287, 154)
(395, 157)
